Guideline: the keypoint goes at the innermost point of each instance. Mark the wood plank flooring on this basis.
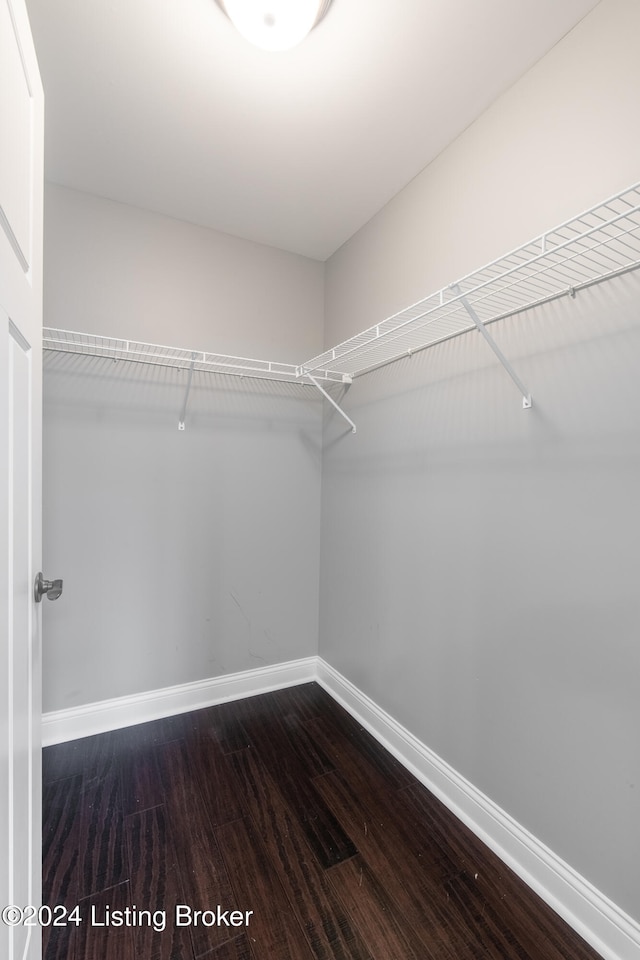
(282, 809)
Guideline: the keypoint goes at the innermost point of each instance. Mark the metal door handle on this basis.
(52, 588)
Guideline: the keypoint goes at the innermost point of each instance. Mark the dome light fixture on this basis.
(275, 24)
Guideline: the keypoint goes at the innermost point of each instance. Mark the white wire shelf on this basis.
(88, 344)
(598, 244)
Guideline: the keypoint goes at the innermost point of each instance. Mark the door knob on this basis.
(52, 588)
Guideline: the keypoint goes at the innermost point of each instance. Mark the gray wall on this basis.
(561, 139)
(192, 554)
(479, 562)
(120, 271)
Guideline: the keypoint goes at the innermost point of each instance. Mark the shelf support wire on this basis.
(331, 400)
(183, 412)
(526, 396)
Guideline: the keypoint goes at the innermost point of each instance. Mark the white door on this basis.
(21, 181)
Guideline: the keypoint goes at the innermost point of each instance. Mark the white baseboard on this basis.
(609, 930)
(88, 719)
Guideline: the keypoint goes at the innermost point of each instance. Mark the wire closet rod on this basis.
(599, 244)
(92, 345)
(113, 348)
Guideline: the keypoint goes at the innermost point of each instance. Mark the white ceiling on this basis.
(161, 104)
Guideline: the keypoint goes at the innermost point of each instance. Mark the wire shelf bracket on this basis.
(183, 412)
(526, 396)
(331, 400)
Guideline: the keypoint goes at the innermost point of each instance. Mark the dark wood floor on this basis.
(283, 806)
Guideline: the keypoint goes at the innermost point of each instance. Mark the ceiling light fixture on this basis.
(275, 24)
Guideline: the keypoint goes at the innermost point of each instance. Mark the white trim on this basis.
(59, 726)
(614, 934)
